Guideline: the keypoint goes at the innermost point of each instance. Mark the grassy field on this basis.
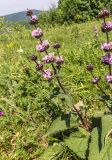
(24, 95)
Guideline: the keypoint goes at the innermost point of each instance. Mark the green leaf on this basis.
(66, 121)
(106, 127)
(93, 147)
(78, 143)
(52, 152)
(106, 152)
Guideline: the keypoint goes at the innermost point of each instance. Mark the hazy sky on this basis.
(12, 6)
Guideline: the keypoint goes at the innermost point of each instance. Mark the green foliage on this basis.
(78, 143)
(106, 127)
(52, 152)
(62, 123)
(94, 145)
(106, 153)
(75, 10)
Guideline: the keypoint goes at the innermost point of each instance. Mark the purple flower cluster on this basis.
(47, 74)
(106, 27)
(108, 78)
(107, 47)
(107, 59)
(37, 33)
(95, 80)
(48, 58)
(43, 46)
(55, 60)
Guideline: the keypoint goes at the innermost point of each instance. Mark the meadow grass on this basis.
(24, 95)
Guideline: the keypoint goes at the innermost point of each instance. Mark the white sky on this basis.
(13, 6)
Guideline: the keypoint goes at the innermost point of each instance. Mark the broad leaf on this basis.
(52, 152)
(106, 153)
(78, 143)
(93, 146)
(66, 121)
(106, 127)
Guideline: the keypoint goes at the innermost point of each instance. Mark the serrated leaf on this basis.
(61, 123)
(106, 127)
(93, 147)
(52, 152)
(78, 143)
(106, 152)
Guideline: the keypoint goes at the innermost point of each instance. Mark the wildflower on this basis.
(37, 33)
(89, 67)
(59, 60)
(33, 57)
(29, 12)
(56, 46)
(95, 80)
(47, 74)
(107, 46)
(2, 113)
(108, 78)
(43, 46)
(107, 59)
(39, 66)
(33, 20)
(104, 13)
(106, 27)
(49, 58)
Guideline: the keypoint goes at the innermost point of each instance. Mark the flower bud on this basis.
(56, 46)
(33, 57)
(89, 67)
(2, 113)
(39, 66)
(29, 12)
(95, 80)
(104, 13)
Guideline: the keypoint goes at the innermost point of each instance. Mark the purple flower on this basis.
(39, 66)
(108, 78)
(106, 27)
(89, 67)
(33, 57)
(95, 80)
(107, 46)
(59, 60)
(107, 59)
(49, 58)
(56, 46)
(2, 113)
(33, 20)
(43, 46)
(47, 74)
(104, 13)
(37, 33)
(29, 12)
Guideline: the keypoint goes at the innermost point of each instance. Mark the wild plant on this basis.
(87, 137)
